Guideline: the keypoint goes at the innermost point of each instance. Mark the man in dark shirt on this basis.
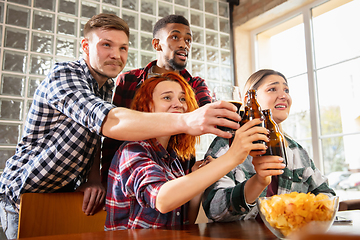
(172, 40)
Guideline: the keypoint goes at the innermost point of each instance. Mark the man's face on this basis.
(174, 45)
(105, 52)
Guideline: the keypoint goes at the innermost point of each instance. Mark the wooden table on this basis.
(231, 230)
(219, 231)
(353, 228)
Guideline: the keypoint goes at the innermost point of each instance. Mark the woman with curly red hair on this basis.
(183, 144)
(147, 186)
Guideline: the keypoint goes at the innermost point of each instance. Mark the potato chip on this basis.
(289, 212)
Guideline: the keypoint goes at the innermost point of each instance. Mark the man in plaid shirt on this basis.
(172, 40)
(59, 150)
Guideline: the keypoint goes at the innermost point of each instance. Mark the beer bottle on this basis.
(244, 116)
(276, 145)
(254, 109)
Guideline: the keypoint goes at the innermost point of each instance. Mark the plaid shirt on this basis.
(126, 86)
(136, 175)
(300, 175)
(61, 132)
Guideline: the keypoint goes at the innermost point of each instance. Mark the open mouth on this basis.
(182, 55)
(280, 106)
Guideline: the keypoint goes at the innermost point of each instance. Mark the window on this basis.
(317, 48)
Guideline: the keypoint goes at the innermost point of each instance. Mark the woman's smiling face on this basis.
(273, 93)
(168, 96)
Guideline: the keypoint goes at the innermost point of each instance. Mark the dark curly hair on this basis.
(169, 19)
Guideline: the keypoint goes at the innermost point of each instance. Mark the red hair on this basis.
(183, 144)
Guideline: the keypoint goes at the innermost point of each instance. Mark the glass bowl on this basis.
(286, 214)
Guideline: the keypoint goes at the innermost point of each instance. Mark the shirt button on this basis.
(178, 213)
(242, 209)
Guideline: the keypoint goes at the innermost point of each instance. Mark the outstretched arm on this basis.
(194, 204)
(126, 124)
(177, 192)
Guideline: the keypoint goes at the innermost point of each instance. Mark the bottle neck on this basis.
(251, 98)
(269, 121)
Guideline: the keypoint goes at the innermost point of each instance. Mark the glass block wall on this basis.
(36, 33)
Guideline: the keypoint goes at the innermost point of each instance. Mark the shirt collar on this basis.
(144, 73)
(146, 70)
(110, 84)
(167, 156)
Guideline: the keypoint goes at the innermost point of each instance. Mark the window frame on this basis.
(306, 12)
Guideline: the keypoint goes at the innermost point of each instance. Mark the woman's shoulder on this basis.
(218, 147)
(132, 152)
(299, 154)
(292, 143)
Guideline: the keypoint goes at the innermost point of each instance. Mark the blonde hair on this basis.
(255, 80)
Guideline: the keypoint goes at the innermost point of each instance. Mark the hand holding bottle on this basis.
(246, 140)
(267, 166)
(230, 94)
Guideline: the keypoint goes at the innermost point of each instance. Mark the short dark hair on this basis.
(169, 19)
(106, 21)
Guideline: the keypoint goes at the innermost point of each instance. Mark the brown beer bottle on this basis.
(244, 116)
(276, 145)
(254, 109)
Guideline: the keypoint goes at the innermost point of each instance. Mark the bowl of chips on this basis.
(286, 214)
